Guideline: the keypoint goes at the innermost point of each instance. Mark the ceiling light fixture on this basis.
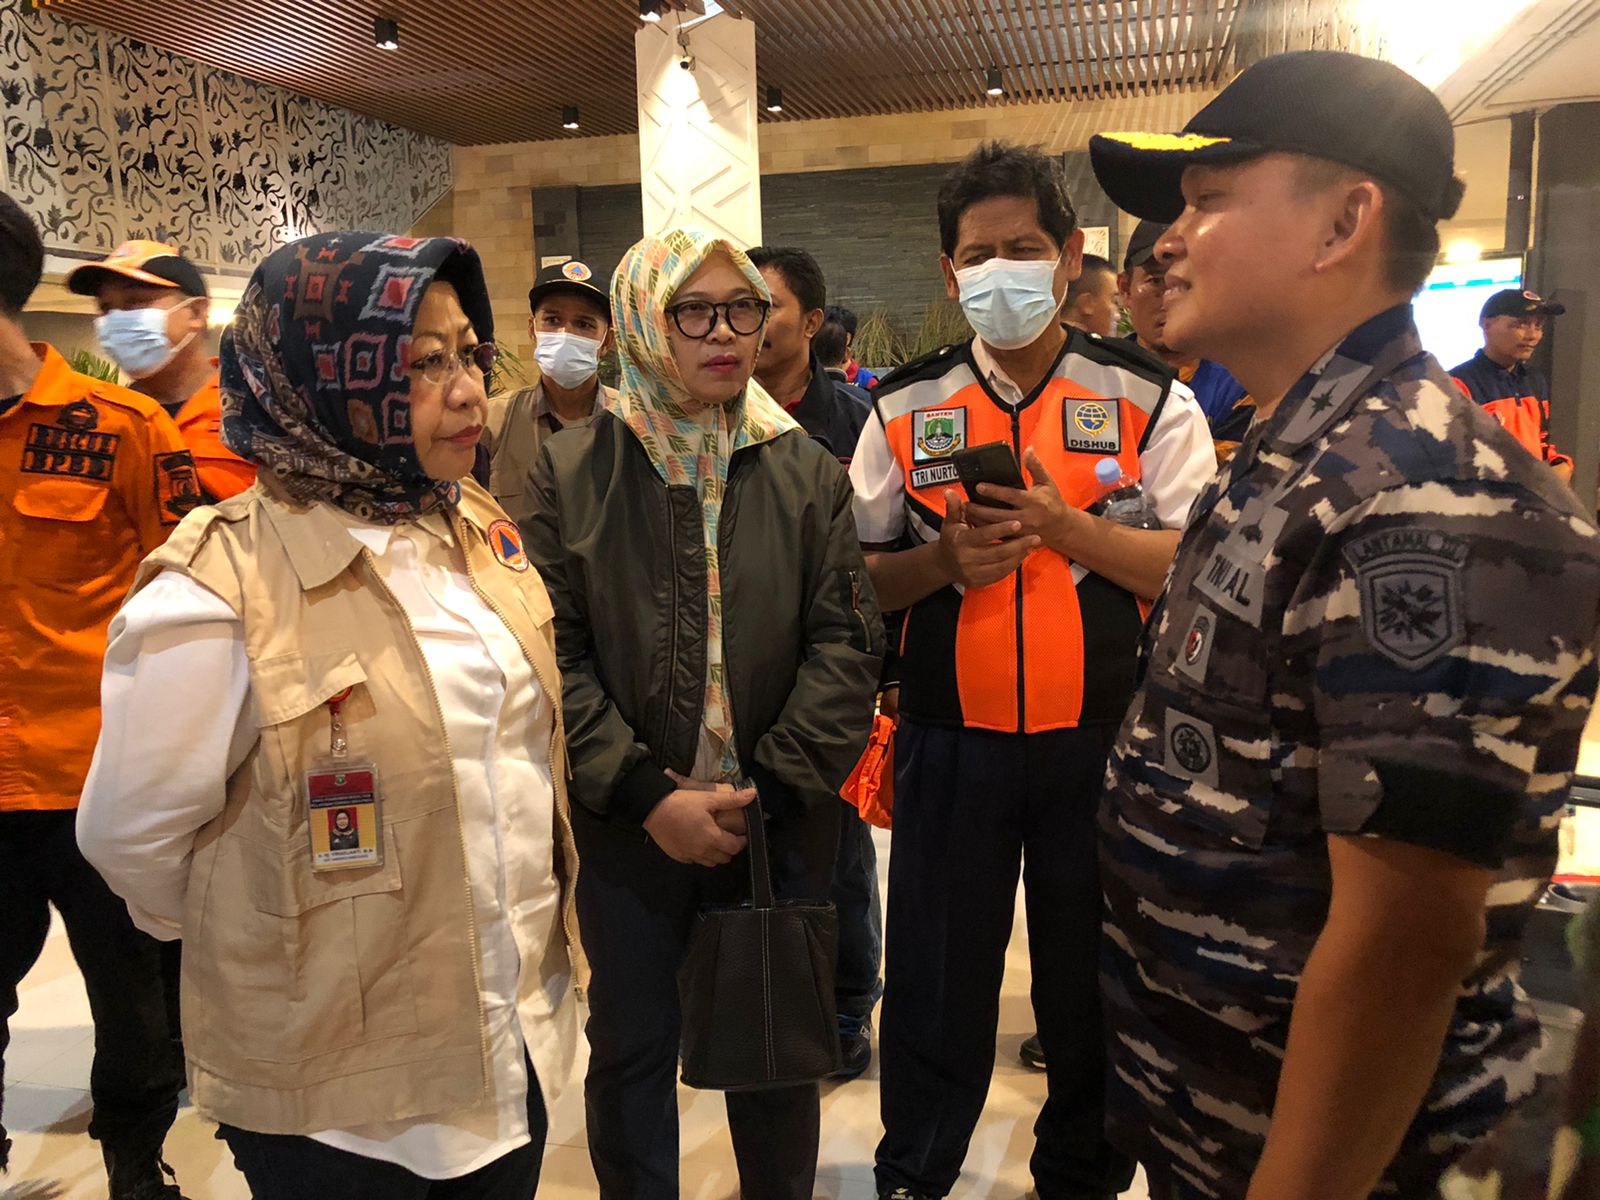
(569, 117)
(386, 33)
(650, 10)
(774, 100)
(995, 87)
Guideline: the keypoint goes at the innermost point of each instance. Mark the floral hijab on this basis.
(315, 368)
(687, 449)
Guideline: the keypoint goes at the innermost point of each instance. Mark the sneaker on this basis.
(140, 1176)
(1032, 1053)
(855, 1048)
(903, 1194)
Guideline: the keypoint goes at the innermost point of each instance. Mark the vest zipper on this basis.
(455, 787)
(1022, 658)
(569, 900)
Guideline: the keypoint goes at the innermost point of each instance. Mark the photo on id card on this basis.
(343, 812)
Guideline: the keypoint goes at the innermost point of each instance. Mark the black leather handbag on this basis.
(756, 988)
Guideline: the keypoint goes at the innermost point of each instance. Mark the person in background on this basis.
(1333, 803)
(570, 324)
(831, 347)
(719, 642)
(1228, 408)
(94, 478)
(383, 1013)
(1017, 662)
(154, 312)
(854, 372)
(1092, 298)
(829, 409)
(1498, 378)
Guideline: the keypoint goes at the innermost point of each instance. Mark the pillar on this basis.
(1563, 266)
(697, 127)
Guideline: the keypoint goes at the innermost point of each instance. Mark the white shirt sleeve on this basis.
(176, 721)
(880, 484)
(1179, 459)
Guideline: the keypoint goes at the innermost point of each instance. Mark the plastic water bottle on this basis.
(1123, 500)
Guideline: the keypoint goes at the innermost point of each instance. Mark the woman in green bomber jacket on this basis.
(718, 640)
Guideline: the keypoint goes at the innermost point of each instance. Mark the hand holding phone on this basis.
(992, 462)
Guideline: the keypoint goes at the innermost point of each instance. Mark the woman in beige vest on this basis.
(332, 758)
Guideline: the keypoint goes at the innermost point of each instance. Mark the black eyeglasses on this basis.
(697, 318)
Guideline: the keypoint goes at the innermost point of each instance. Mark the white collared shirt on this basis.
(168, 747)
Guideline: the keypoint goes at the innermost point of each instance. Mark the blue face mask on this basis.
(136, 338)
(1009, 301)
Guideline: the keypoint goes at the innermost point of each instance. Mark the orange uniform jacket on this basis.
(222, 472)
(1053, 646)
(94, 478)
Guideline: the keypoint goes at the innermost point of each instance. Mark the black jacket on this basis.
(623, 556)
(831, 412)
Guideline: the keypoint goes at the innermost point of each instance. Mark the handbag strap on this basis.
(760, 865)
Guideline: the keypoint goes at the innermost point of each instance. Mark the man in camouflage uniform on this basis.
(1333, 802)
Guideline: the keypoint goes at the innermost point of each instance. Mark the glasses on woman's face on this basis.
(697, 318)
(440, 368)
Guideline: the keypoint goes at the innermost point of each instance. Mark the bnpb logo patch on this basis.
(505, 539)
(576, 272)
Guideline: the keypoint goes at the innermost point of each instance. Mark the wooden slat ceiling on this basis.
(501, 70)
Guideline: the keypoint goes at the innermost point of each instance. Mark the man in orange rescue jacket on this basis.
(92, 478)
(154, 309)
(1498, 377)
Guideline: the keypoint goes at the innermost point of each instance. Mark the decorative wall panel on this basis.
(107, 139)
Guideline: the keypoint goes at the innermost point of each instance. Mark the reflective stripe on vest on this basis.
(1052, 646)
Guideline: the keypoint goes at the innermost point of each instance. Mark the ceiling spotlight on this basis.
(386, 33)
(569, 117)
(774, 99)
(995, 87)
(650, 10)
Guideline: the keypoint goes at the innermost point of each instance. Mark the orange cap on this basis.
(154, 263)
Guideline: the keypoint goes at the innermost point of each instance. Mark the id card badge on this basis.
(343, 802)
(342, 806)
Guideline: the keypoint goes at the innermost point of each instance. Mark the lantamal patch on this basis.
(1410, 584)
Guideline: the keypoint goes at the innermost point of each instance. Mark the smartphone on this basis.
(993, 462)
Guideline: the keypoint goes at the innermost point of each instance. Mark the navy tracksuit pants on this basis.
(972, 809)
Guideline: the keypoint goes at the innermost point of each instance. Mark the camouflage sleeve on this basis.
(1448, 635)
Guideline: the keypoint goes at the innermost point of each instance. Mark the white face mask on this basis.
(569, 359)
(136, 338)
(1009, 301)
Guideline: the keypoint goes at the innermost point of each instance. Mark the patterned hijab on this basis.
(315, 380)
(687, 449)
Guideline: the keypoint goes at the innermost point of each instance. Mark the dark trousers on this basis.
(137, 1071)
(972, 807)
(635, 908)
(858, 985)
(278, 1167)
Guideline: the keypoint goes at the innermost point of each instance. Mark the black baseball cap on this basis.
(571, 276)
(1515, 303)
(1142, 245)
(154, 263)
(1362, 112)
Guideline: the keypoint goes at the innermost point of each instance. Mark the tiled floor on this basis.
(47, 1111)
